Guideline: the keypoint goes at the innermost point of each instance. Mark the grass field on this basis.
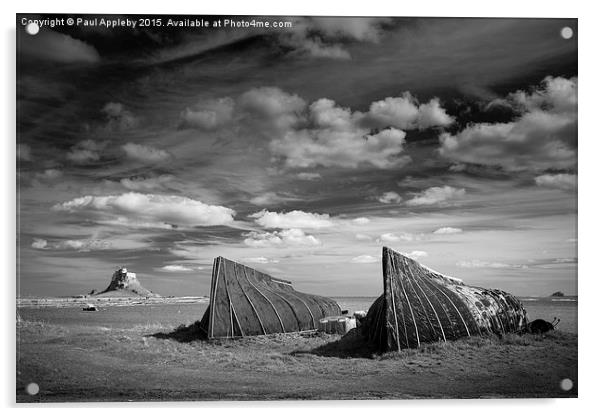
(158, 362)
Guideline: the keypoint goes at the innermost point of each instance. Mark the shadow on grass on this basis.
(351, 345)
(184, 333)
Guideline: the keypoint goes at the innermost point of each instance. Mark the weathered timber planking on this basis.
(419, 305)
(246, 302)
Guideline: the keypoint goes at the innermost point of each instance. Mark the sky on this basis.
(298, 151)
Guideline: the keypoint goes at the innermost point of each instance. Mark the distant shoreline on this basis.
(76, 301)
(83, 300)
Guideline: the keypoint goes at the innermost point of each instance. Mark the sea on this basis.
(173, 315)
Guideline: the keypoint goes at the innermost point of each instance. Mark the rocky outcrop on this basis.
(124, 283)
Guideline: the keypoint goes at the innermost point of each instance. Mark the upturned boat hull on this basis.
(244, 302)
(420, 306)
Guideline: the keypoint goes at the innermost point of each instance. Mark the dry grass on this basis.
(155, 362)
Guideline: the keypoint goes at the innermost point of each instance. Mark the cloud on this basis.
(82, 156)
(49, 174)
(260, 260)
(272, 103)
(393, 238)
(363, 237)
(331, 137)
(118, 118)
(365, 259)
(39, 243)
(148, 210)
(447, 230)
(144, 153)
(83, 245)
(179, 268)
(566, 260)
(57, 47)
(543, 136)
(436, 195)
(320, 37)
(321, 133)
(390, 198)
(146, 184)
(23, 152)
(315, 48)
(563, 181)
(308, 176)
(269, 198)
(457, 167)
(85, 152)
(329, 147)
(406, 113)
(488, 265)
(292, 219)
(286, 238)
(416, 254)
(361, 221)
(365, 29)
(209, 114)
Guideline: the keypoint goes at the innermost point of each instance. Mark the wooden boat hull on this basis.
(420, 305)
(245, 302)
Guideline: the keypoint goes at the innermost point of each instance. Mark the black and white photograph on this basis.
(305, 207)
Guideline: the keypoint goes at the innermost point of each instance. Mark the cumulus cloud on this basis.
(144, 153)
(148, 210)
(57, 47)
(447, 230)
(39, 243)
(321, 133)
(393, 238)
(344, 148)
(563, 181)
(407, 113)
(543, 136)
(208, 114)
(292, 219)
(365, 259)
(272, 105)
(23, 152)
(336, 136)
(285, 238)
(436, 195)
(416, 254)
(269, 198)
(361, 221)
(390, 198)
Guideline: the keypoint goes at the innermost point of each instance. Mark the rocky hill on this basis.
(125, 284)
